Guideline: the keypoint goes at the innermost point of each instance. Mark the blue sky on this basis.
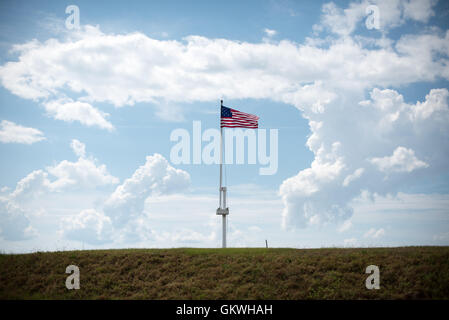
(86, 116)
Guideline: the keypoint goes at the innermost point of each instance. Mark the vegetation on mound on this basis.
(256, 273)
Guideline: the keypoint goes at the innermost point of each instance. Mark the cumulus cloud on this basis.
(326, 80)
(419, 10)
(130, 68)
(31, 186)
(374, 234)
(78, 148)
(403, 159)
(353, 176)
(4, 189)
(347, 140)
(14, 133)
(85, 173)
(69, 111)
(269, 32)
(392, 13)
(345, 226)
(14, 223)
(435, 105)
(155, 177)
(307, 196)
(88, 226)
(135, 230)
(122, 218)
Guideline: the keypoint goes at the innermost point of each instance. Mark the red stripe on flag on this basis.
(240, 120)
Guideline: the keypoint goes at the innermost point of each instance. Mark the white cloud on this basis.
(354, 176)
(345, 226)
(419, 10)
(308, 198)
(402, 160)
(78, 148)
(339, 21)
(14, 223)
(130, 68)
(155, 177)
(327, 83)
(69, 110)
(84, 173)
(392, 13)
(23, 201)
(13, 133)
(269, 32)
(434, 105)
(374, 234)
(31, 186)
(125, 206)
(136, 230)
(88, 226)
(122, 219)
(4, 189)
(347, 139)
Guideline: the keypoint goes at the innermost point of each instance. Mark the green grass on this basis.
(259, 273)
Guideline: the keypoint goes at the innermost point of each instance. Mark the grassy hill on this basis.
(405, 273)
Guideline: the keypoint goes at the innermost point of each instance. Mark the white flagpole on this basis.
(221, 154)
(222, 209)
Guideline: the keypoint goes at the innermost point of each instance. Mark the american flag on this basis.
(231, 118)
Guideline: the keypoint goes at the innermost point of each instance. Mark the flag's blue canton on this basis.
(226, 112)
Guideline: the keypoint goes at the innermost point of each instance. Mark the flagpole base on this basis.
(222, 212)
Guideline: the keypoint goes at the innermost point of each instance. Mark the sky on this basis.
(92, 92)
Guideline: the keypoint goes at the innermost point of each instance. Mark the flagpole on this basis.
(221, 153)
(221, 185)
(233, 119)
(222, 209)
